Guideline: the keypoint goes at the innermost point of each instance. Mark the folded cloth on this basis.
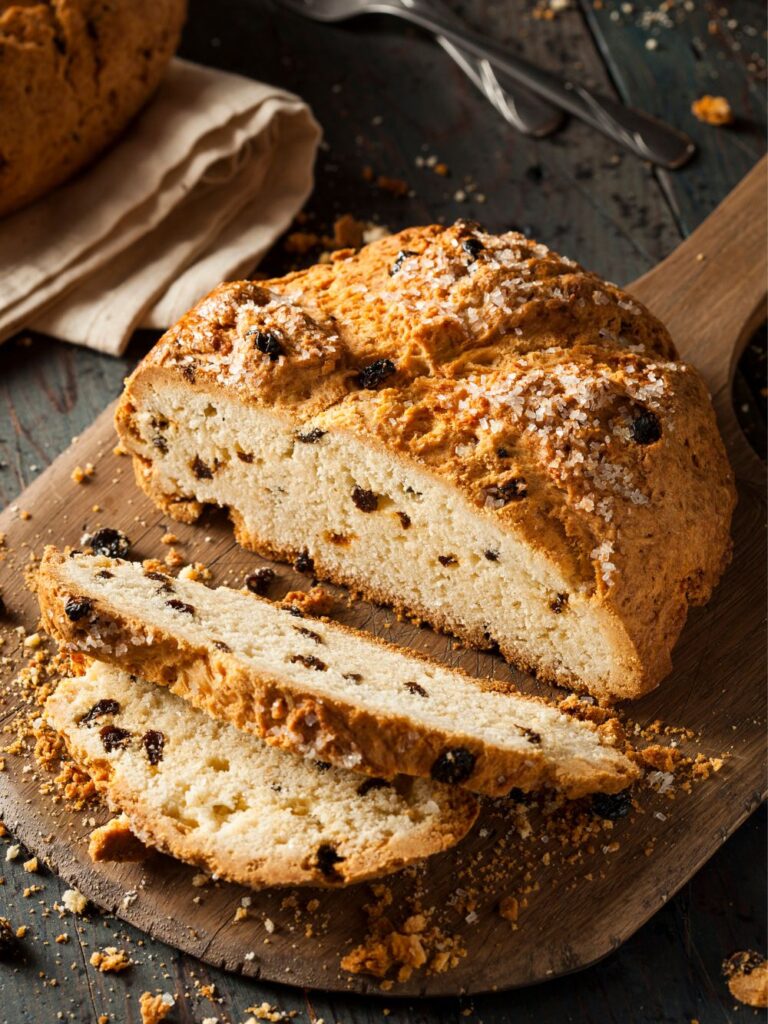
(203, 182)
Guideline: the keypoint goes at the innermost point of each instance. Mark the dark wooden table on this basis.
(388, 99)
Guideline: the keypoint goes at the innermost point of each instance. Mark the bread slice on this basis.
(466, 426)
(215, 797)
(319, 688)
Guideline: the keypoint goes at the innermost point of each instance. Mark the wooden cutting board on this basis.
(711, 293)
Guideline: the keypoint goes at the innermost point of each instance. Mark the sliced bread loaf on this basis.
(210, 795)
(319, 688)
(465, 425)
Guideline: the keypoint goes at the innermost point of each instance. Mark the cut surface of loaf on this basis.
(212, 796)
(320, 688)
(466, 426)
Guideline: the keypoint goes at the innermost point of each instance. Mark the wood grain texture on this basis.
(708, 48)
(711, 294)
(720, 651)
(668, 972)
(576, 193)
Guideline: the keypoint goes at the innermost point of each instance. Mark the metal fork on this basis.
(528, 113)
(643, 135)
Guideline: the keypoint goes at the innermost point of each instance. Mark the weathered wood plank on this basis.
(669, 971)
(696, 49)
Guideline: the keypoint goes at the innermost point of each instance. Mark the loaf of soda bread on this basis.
(319, 688)
(466, 426)
(215, 797)
(72, 75)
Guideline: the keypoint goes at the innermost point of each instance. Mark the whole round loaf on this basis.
(464, 425)
(72, 75)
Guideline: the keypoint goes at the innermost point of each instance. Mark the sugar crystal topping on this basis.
(576, 418)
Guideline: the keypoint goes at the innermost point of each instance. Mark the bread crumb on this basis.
(154, 1008)
(395, 186)
(62, 939)
(110, 960)
(347, 232)
(240, 914)
(714, 110)
(388, 950)
(169, 538)
(153, 565)
(81, 475)
(509, 908)
(12, 852)
(664, 759)
(174, 558)
(31, 865)
(317, 601)
(747, 974)
(264, 1011)
(197, 571)
(301, 242)
(116, 842)
(74, 901)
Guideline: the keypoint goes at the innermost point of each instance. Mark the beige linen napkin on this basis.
(203, 182)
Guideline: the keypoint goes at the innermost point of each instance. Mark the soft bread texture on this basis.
(464, 425)
(240, 809)
(319, 688)
(72, 75)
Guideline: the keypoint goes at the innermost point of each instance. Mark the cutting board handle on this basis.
(711, 294)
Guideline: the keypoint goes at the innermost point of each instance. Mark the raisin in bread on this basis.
(320, 688)
(467, 426)
(212, 796)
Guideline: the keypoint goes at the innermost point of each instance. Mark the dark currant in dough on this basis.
(77, 608)
(646, 428)
(366, 501)
(269, 343)
(371, 376)
(454, 766)
(112, 543)
(107, 706)
(327, 858)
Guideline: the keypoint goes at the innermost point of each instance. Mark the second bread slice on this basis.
(319, 688)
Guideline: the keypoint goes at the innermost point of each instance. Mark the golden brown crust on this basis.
(287, 716)
(508, 363)
(71, 77)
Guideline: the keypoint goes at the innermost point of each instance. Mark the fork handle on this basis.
(643, 135)
(524, 110)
